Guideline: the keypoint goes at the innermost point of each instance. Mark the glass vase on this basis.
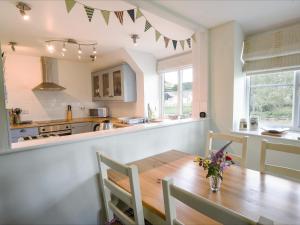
(215, 183)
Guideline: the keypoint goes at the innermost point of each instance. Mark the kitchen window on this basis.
(274, 98)
(177, 93)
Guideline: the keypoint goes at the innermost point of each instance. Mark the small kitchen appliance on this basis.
(99, 112)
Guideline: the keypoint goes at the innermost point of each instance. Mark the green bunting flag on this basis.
(70, 4)
(166, 41)
(89, 12)
(131, 14)
(119, 15)
(174, 44)
(105, 15)
(188, 41)
(157, 35)
(194, 37)
(147, 26)
(182, 44)
(138, 13)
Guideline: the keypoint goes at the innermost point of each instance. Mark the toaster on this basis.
(99, 112)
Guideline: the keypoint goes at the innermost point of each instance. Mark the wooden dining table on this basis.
(245, 191)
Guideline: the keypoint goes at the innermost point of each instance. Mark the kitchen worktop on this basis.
(115, 121)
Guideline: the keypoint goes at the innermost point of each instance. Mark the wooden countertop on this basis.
(115, 121)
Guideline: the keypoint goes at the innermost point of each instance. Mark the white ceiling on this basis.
(254, 16)
(49, 20)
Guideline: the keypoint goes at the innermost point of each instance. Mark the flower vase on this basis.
(215, 183)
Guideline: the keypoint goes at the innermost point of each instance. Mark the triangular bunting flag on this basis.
(194, 37)
(69, 4)
(138, 13)
(131, 14)
(157, 35)
(166, 41)
(182, 44)
(188, 41)
(119, 15)
(174, 44)
(89, 12)
(105, 15)
(147, 26)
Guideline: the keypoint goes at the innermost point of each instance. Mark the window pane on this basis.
(170, 93)
(271, 98)
(187, 81)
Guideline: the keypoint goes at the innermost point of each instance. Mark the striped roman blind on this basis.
(272, 51)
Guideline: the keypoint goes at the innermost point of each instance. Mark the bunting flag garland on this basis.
(166, 41)
(134, 14)
(174, 44)
(147, 26)
(194, 37)
(119, 15)
(69, 5)
(105, 15)
(138, 13)
(89, 12)
(182, 44)
(188, 41)
(157, 35)
(131, 14)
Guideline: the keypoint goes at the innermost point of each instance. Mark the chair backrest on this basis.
(132, 199)
(214, 211)
(241, 159)
(265, 167)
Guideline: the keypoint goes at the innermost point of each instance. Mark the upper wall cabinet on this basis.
(114, 84)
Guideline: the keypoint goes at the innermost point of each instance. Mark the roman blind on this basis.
(272, 51)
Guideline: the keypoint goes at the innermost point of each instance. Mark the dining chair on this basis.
(212, 210)
(132, 199)
(241, 159)
(284, 171)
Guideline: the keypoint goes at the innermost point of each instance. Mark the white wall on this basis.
(24, 73)
(174, 62)
(58, 185)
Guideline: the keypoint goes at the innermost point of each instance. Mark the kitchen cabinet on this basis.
(15, 134)
(114, 84)
(78, 128)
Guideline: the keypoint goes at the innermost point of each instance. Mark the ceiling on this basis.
(254, 16)
(50, 20)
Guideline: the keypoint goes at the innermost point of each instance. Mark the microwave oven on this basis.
(99, 112)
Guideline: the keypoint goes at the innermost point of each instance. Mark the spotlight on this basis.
(50, 48)
(79, 50)
(12, 45)
(64, 47)
(134, 38)
(23, 7)
(94, 50)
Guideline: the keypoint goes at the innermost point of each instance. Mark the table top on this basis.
(245, 191)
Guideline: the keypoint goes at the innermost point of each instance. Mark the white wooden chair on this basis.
(214, 211)
(241, 159)
(284, 171)
(132, 199)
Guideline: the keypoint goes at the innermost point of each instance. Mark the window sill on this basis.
(289, 136)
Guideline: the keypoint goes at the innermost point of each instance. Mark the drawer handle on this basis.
(22, 130)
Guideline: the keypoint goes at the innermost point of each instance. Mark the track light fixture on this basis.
(23, 7)
(64, 47)
(94, 50)
(134, 38)
(12, 45)
(79, 50)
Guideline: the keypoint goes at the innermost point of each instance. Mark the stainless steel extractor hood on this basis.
(50, 76)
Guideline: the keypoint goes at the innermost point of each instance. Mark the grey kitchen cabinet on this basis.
(15, 134)
(78, 128)
(114, 84)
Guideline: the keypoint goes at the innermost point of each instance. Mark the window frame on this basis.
(296, 100)
(179, 70)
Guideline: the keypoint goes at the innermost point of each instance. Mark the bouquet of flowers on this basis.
(215, 164)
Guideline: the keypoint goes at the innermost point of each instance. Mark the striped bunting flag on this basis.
(147, 26)
(182, 44)
(69, 5)
(131, 14)
(166, 41)
(157, 35)
(119, 15)
(105, 15)
(188, 41)
(174, 44)
(138, 13)
(89, 12)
